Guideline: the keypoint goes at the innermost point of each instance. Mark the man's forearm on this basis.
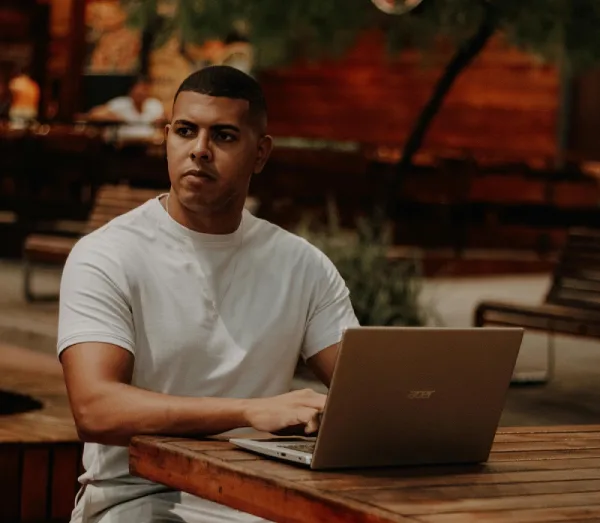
(116, 412)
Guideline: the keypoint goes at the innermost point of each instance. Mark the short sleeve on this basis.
(330, 311)
(153, 110)
(94, 298)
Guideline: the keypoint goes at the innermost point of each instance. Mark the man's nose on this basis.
(201, 150)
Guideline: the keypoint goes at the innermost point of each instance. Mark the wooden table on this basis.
(535, 474)
(40, 453)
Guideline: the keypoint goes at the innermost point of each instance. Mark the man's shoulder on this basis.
(284, 242)
(153, 103)
(121, 234)
(121, 102)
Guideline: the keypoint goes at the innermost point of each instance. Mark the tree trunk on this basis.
(461, 59)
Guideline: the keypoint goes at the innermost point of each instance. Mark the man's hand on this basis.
(298, 408)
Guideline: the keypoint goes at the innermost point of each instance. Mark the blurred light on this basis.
(396, 7)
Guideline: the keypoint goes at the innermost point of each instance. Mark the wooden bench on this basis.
(110, 202)
(572, 304)
(40, 453)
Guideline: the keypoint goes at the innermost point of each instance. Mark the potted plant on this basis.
(382, 291)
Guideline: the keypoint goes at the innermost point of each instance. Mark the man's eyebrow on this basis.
(187, 123)
(214, 127)
(225, 127)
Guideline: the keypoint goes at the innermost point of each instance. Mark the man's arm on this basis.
(108, 409)
(330, 313)
(323, 363)
(103, 113)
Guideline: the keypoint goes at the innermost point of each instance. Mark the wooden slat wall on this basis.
(9, 483)
(64, 485)
(503, 101)
(38, 481)
(34, 483)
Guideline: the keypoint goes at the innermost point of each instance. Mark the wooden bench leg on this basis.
(29, 295)
(540, 377)
(27, 270)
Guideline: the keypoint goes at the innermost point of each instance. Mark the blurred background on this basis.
(444, 153)
(482, 134)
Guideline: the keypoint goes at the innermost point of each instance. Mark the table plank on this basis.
(39, 376)
(522, 463)
(546, 436)
(457, 492)
(233, 455)
(398, 502)
(539, 455)
(421, 476)
(554, 429)
(559, 444)
(246, 490)
(533, 475)
(410, 478)
(543, 515)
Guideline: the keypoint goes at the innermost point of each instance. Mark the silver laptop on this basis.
(408, 396)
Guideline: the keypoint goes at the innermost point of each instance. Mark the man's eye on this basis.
(184, 131)
(224, 137)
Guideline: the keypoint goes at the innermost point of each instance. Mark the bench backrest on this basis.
(113, 200)
(576, 279)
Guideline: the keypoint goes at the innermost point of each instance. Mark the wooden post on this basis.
(70, 101)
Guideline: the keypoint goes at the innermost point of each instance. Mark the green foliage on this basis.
(382, 292)
(561, 31)
(554, 30)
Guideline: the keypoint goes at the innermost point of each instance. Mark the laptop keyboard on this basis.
(302, 447)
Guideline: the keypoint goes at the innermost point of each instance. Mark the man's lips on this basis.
(198, 173)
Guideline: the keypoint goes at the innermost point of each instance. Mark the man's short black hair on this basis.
(228, 82)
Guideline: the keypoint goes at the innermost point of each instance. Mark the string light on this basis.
(396, 7)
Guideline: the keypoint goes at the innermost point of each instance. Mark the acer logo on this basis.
(420, 394)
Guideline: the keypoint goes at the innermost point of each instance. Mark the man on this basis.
(188, 314)
(138, 110)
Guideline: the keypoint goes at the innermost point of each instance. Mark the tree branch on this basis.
(464, 55)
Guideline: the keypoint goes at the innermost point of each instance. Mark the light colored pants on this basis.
(124, 502)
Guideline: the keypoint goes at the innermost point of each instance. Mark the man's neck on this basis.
(207, 223)
(138, 105)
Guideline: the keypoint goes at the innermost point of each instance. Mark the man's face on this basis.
(213, 148)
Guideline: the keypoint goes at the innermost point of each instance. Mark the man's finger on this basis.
(293, 430)
(314, 423)
(316, 402)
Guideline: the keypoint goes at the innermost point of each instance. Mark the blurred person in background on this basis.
(25, 94)
(138, 111)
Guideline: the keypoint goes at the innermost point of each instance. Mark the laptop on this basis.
(407, 396)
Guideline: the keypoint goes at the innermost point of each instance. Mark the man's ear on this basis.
(167, 129)
(265, 146)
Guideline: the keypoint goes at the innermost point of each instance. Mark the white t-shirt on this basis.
(140, 123)
(204, 315)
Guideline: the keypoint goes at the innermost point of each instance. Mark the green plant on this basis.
(383, 292)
